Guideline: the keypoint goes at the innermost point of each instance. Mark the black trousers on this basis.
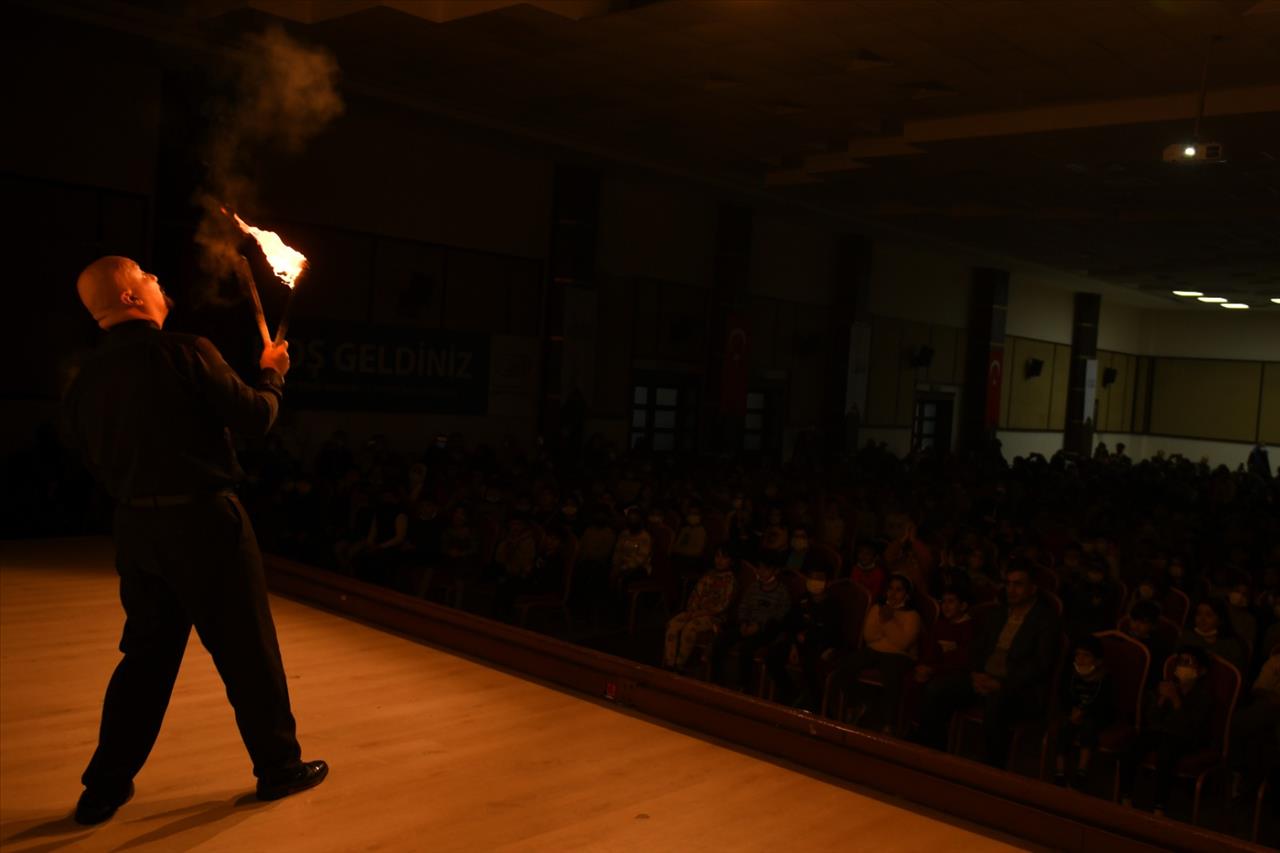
(1001, 711)
(192, 565)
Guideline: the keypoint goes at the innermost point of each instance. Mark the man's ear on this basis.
(128, 297)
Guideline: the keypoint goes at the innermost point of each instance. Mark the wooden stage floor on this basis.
(429, 750)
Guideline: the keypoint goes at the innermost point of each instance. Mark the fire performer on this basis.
(151, 412)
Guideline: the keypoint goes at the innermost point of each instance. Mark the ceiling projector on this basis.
(1194, 152)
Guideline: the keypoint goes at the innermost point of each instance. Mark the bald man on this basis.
(152, 413)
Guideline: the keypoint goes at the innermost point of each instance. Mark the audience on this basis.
(972, 528)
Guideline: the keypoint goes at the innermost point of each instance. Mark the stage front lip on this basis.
(1017, 805)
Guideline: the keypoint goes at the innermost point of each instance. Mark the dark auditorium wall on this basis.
(420, 223)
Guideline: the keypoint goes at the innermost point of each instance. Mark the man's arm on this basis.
(248, 411)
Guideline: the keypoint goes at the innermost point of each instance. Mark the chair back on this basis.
(1224, 684)
(827, 557)
(1177, 604)
(1128, 661)
(854, 602)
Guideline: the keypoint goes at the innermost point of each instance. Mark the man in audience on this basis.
(1015, 650)
(1213, 631)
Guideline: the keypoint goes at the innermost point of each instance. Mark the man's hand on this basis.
(276, 357)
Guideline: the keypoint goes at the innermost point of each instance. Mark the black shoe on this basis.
(96, 807)
(310, 774)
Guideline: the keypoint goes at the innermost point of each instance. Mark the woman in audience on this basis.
(706, 609)
(890, 636)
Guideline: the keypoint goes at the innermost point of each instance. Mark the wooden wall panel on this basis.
(762, 331)
(943, 368)
(645, 318)
(882, 379)
(1029, 398)
(1269, 425)
(1201, 398)
(1060, 376)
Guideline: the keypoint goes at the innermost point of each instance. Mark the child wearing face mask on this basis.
(1088, 706)
(813, 632)
(1213, 631)
(1243, 623)
(631, 554)
(1175, 723)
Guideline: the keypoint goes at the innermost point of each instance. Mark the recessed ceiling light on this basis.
(1234, 305)
(1189, 151)
(1212, 299)
(1187, 293)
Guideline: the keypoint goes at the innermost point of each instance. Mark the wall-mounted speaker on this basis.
(1108, 377)
(1035, 366)
(922, 357)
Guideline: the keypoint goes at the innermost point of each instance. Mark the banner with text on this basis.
(387, 368)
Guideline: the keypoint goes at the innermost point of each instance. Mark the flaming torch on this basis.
(287, 263)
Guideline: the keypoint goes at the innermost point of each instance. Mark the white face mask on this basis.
(817, 587)
(1085, 670)
(1185, 674)
(1237, 599)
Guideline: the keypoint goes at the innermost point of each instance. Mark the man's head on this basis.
(955, 603)
(1019, 586)
(1143, 618)
(115, 290)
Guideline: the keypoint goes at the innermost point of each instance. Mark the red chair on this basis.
(1165, 631)
(1224, 681)
(855, 601)
(828, 558)
(975, 715)
(550, 600)
(1177, 605)
(1128, 662)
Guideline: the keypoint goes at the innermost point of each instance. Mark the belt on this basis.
(158, 501)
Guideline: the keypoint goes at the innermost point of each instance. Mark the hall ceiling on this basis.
(1033, 128)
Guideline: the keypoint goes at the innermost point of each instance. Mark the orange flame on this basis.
(286, 261)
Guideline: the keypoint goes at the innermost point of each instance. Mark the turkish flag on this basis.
(995, 383)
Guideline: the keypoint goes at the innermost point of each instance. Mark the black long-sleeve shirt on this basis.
(152, 413)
